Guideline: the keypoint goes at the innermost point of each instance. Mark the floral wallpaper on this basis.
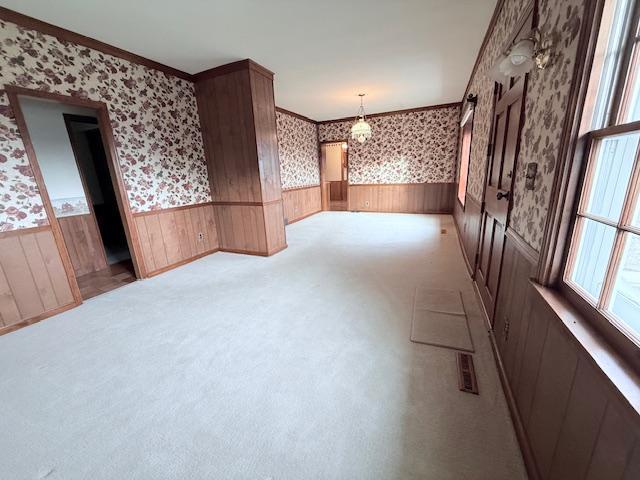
(414, 147)
(298, 150)
(545, 108)
(68, 207)
(153, 115)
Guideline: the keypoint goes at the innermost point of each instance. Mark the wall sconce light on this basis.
(531, 51)
(472, 101)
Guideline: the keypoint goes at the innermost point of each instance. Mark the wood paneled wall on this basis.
(33, 281)
(84, 243)
(403, 198)
(574, 421)
(468, 220)
(173, 237)
(299, 203)
(238, 121)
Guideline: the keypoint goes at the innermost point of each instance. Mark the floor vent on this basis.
(443, 231)
(466, 373)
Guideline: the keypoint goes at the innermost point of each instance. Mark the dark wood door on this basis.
(508, 112)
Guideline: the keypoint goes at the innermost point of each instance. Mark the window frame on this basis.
(622, 226)
(466, 124)
(615, 330)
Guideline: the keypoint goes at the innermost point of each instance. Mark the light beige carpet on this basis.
(233, 367)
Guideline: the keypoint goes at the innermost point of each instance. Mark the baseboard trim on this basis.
(277, 250)
(244, 252)
(180, 263)
(37, 318)
(521, 434)
(256, 253)
(426, 212)
(303, 217)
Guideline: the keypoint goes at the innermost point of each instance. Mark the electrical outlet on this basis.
(200, 236)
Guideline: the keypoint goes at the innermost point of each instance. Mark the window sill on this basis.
(623, 377)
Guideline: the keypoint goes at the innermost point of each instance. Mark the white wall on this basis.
(53, 150)
(333, 162)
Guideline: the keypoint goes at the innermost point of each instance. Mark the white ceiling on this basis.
(401, 53)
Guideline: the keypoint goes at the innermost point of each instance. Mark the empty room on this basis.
(339, 240)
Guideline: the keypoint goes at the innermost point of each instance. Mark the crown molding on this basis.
(68, 36)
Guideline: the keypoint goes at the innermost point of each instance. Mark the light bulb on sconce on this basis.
(344, 145)
(523, 56)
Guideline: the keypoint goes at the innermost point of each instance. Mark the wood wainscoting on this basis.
(301, 202)
(468, 220)
(33, 281)
(572, 422)
(175, 236)
(251, 228)
(83, 241)
(402, 198)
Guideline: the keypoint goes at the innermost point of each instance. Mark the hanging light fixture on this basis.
(361, 130)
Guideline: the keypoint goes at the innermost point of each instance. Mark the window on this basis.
(465, 154)
(603, 264)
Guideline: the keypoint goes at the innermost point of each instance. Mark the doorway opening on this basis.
(334, 173)
(68, 144)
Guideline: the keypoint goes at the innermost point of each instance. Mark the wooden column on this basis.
(238, 119)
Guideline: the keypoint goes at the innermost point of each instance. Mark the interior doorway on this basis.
(68, 144)
(334, 173)
(509, 106)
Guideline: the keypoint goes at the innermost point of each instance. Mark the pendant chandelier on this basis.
(361, 130)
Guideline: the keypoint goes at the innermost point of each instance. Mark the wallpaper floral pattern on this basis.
(153, 116)
(545, 109)
(298, 150)
(414, 147)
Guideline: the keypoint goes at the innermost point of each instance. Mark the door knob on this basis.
(502, 195)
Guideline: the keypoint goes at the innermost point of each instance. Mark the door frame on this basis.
(324, 187)
(106, 132)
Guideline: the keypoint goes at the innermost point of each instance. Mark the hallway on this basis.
(296, 366)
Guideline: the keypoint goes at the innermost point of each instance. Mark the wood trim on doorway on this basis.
(21, 123)
(324, 186)
(106, 132)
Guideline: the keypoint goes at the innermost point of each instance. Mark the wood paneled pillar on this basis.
(238, 120)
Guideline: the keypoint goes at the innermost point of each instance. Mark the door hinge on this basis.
(489, 149)
(477, 259)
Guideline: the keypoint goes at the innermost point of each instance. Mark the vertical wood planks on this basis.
(403, 198)
(32, 278)
(301, 202)
(84, 243)
(172, 237)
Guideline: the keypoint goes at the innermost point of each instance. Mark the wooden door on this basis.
(507, 122)
(334, 185)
